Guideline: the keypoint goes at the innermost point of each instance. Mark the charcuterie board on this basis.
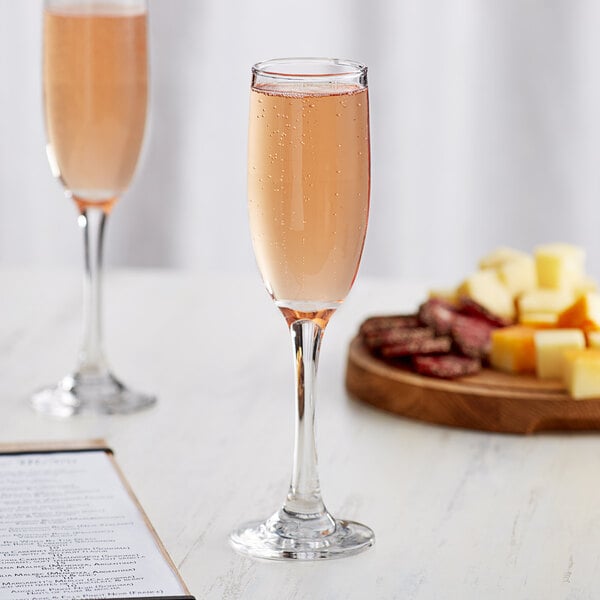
(488, 401)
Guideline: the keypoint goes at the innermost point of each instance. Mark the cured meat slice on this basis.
(470, 308)
(442, 340)
(472, 336)
(374, 325)
(438, 314)
(390, 337)
(434, 345)
(446, 366)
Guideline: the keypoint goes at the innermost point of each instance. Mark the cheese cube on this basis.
(593, 339)
(513, 349)
(559, 266)
(549, 301)
(500, 256)
(587, 284)
(518, 275)
(582, 373)
(486, 288)
(449, 295)
(550, 345)
(583, 313)
(538, 320)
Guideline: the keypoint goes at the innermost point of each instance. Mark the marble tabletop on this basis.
(457, 514)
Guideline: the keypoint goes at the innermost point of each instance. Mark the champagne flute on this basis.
(308, 196)
(95, 97)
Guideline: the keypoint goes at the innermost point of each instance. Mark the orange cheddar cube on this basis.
(584, 313)
(513, 349)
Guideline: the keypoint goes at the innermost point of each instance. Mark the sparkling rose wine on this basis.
(95, 93)
(308, 190)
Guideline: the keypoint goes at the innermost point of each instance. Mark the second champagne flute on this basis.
(95, 97)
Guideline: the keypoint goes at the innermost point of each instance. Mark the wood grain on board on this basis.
(489, 401)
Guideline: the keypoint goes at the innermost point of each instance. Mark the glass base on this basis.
(285, 537)
(89, 394)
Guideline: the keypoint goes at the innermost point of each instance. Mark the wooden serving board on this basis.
(490, 400)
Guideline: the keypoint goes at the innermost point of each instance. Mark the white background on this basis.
(485, 131)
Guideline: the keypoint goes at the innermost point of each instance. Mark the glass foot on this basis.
(284, 537)
(89, 394)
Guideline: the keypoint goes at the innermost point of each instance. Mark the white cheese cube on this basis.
(518, 275)
(538, 320)
(593, 339)
(500, 256)
(449, 295)
(486, 288)
(550, 301)
(550, 346)
(582, 373)
(559, 266)
(587, 284)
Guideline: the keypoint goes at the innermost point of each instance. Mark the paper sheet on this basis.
(70, 530)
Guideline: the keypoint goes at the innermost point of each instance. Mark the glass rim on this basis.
(268, 68)
(109, 8)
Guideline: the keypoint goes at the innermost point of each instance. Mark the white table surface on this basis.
(457, 514)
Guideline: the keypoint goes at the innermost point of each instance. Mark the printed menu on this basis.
(71, 529)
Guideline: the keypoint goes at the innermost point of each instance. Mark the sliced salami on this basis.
(438, 314)
(435, 345)
(391, 337)
(442, 340)
(446, 366)
(375, 325)
(472, 336)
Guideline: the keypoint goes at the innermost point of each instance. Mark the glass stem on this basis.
(91, 356)
(304, 496)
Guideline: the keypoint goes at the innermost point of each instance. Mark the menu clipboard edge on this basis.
(155, 535)
(54, 447)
